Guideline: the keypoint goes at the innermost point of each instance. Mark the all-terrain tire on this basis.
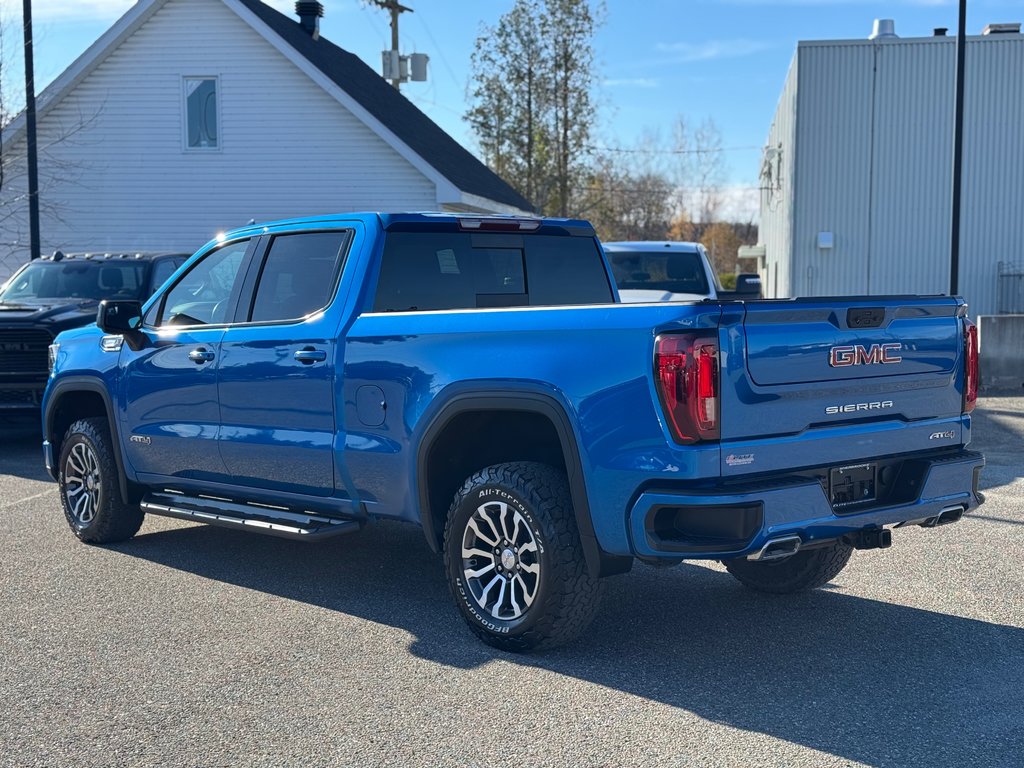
(807, 569)
(533, 503)
(87, 469)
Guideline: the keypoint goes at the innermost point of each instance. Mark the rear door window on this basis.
(424, 271)
(299, 275)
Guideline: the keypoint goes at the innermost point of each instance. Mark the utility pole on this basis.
(30, 136)
(958, 152)
(396, 9)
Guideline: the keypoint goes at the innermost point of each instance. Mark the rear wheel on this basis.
(90, 487)
(807, 569)
(514, 560)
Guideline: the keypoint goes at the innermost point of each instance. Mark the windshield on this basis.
(671, 271)
(76, 280)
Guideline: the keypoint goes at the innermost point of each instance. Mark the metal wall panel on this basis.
(777, 193)
(833, 168)
(992, 227)
(911, 169)
(873, 162)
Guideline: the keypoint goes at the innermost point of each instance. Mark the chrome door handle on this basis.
(200, 355)
(309, 355)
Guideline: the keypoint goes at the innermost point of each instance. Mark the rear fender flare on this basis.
(458, 399)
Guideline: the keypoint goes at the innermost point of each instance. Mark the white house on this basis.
(189, 117)
(856, 177)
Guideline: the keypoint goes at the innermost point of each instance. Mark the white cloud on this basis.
(631, 82)
(712, 49)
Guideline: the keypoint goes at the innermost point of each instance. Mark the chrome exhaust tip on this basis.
(946, 516)
(776, 549)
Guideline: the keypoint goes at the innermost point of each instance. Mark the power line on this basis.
(674, 190)
(440, 51)
(378, 27)
(629, 151)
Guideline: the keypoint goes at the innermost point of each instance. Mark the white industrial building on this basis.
(856, 178)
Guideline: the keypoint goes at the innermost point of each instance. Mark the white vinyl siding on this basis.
(113, 173)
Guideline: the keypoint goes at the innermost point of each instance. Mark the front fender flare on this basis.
(67, 385)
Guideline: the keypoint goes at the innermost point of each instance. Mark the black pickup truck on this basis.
(60, 292)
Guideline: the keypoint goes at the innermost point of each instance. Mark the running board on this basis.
(285, 522)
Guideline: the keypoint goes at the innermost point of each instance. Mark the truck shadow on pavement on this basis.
(21, 448)
(861, 679)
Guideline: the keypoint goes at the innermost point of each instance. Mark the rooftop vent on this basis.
(940, 31)
(1002, 29)
(310, 12)
(884, 28)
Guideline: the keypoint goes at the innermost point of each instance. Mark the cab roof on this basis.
(669, 246)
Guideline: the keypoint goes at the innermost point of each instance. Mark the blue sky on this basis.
(658, 59)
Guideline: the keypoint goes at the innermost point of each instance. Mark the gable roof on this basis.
(345, 71)
(421, 134)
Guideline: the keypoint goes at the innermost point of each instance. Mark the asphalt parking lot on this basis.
(196, 646)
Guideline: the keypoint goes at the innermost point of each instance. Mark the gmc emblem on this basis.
(884, 354)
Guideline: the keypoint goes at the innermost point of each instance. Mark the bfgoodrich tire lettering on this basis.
(514, 560)
(808, 569)
(89, 486)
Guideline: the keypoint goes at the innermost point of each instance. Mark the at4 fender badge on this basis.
(141, 439)
(947, 435)
(739, 459)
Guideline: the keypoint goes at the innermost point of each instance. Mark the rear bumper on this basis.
(719, 524)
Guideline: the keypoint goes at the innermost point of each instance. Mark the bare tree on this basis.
(628, 199)
(698, 171)
(56, 170)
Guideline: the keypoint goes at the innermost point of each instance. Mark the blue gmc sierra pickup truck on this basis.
(478, 376)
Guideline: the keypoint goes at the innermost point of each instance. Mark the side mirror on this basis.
(748, 284)
(119, 317)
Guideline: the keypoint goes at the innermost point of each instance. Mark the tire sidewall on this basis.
(471, 498)
(105, 481)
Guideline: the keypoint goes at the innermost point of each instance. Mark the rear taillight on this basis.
(686, 371)
(970, 366)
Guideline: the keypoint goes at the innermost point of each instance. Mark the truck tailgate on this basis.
(825, 380)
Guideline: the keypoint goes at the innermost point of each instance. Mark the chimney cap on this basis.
(883, 28)
(309, 8)
(309, 13)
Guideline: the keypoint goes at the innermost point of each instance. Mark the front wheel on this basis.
(807, 569)
(514, 560)
(90, 488)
